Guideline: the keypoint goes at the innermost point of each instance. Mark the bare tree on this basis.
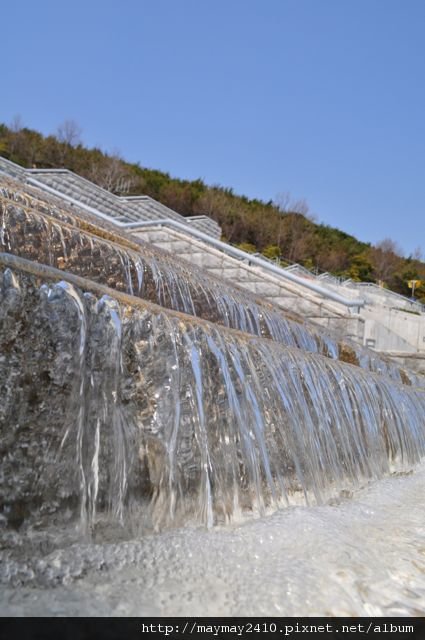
(111, 174)
(69, 132)
(417, 254)
(216, 204)
(16, 124)
(387, 244)
(386, 257)
(291, 231)
(282, 203)
(15, 139)
(286, 204)
(68, 135)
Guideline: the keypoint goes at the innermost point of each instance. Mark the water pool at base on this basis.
(362, 555)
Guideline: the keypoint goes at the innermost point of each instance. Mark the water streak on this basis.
(157, 277)
(167, 420)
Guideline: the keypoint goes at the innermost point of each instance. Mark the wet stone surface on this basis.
(109, 408)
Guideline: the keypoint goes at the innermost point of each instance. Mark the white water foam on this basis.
(363, 555)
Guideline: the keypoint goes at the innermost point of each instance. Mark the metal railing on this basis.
(250, 258)
(413, 304)
(187, 226)
(188, 229)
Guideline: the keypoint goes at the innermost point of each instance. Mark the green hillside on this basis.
(286, 232)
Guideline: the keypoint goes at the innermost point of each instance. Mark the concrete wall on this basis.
(389, 329)
(285, 294)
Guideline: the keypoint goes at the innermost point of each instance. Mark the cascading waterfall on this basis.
(119, 417)
(93, 421)
(48, 237)
(153, 276)
(144, 415)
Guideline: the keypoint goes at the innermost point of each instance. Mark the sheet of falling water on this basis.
(362, 555)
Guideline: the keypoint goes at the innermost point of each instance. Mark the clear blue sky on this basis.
(321, 98)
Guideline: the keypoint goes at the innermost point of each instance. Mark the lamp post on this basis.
(413, 284)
